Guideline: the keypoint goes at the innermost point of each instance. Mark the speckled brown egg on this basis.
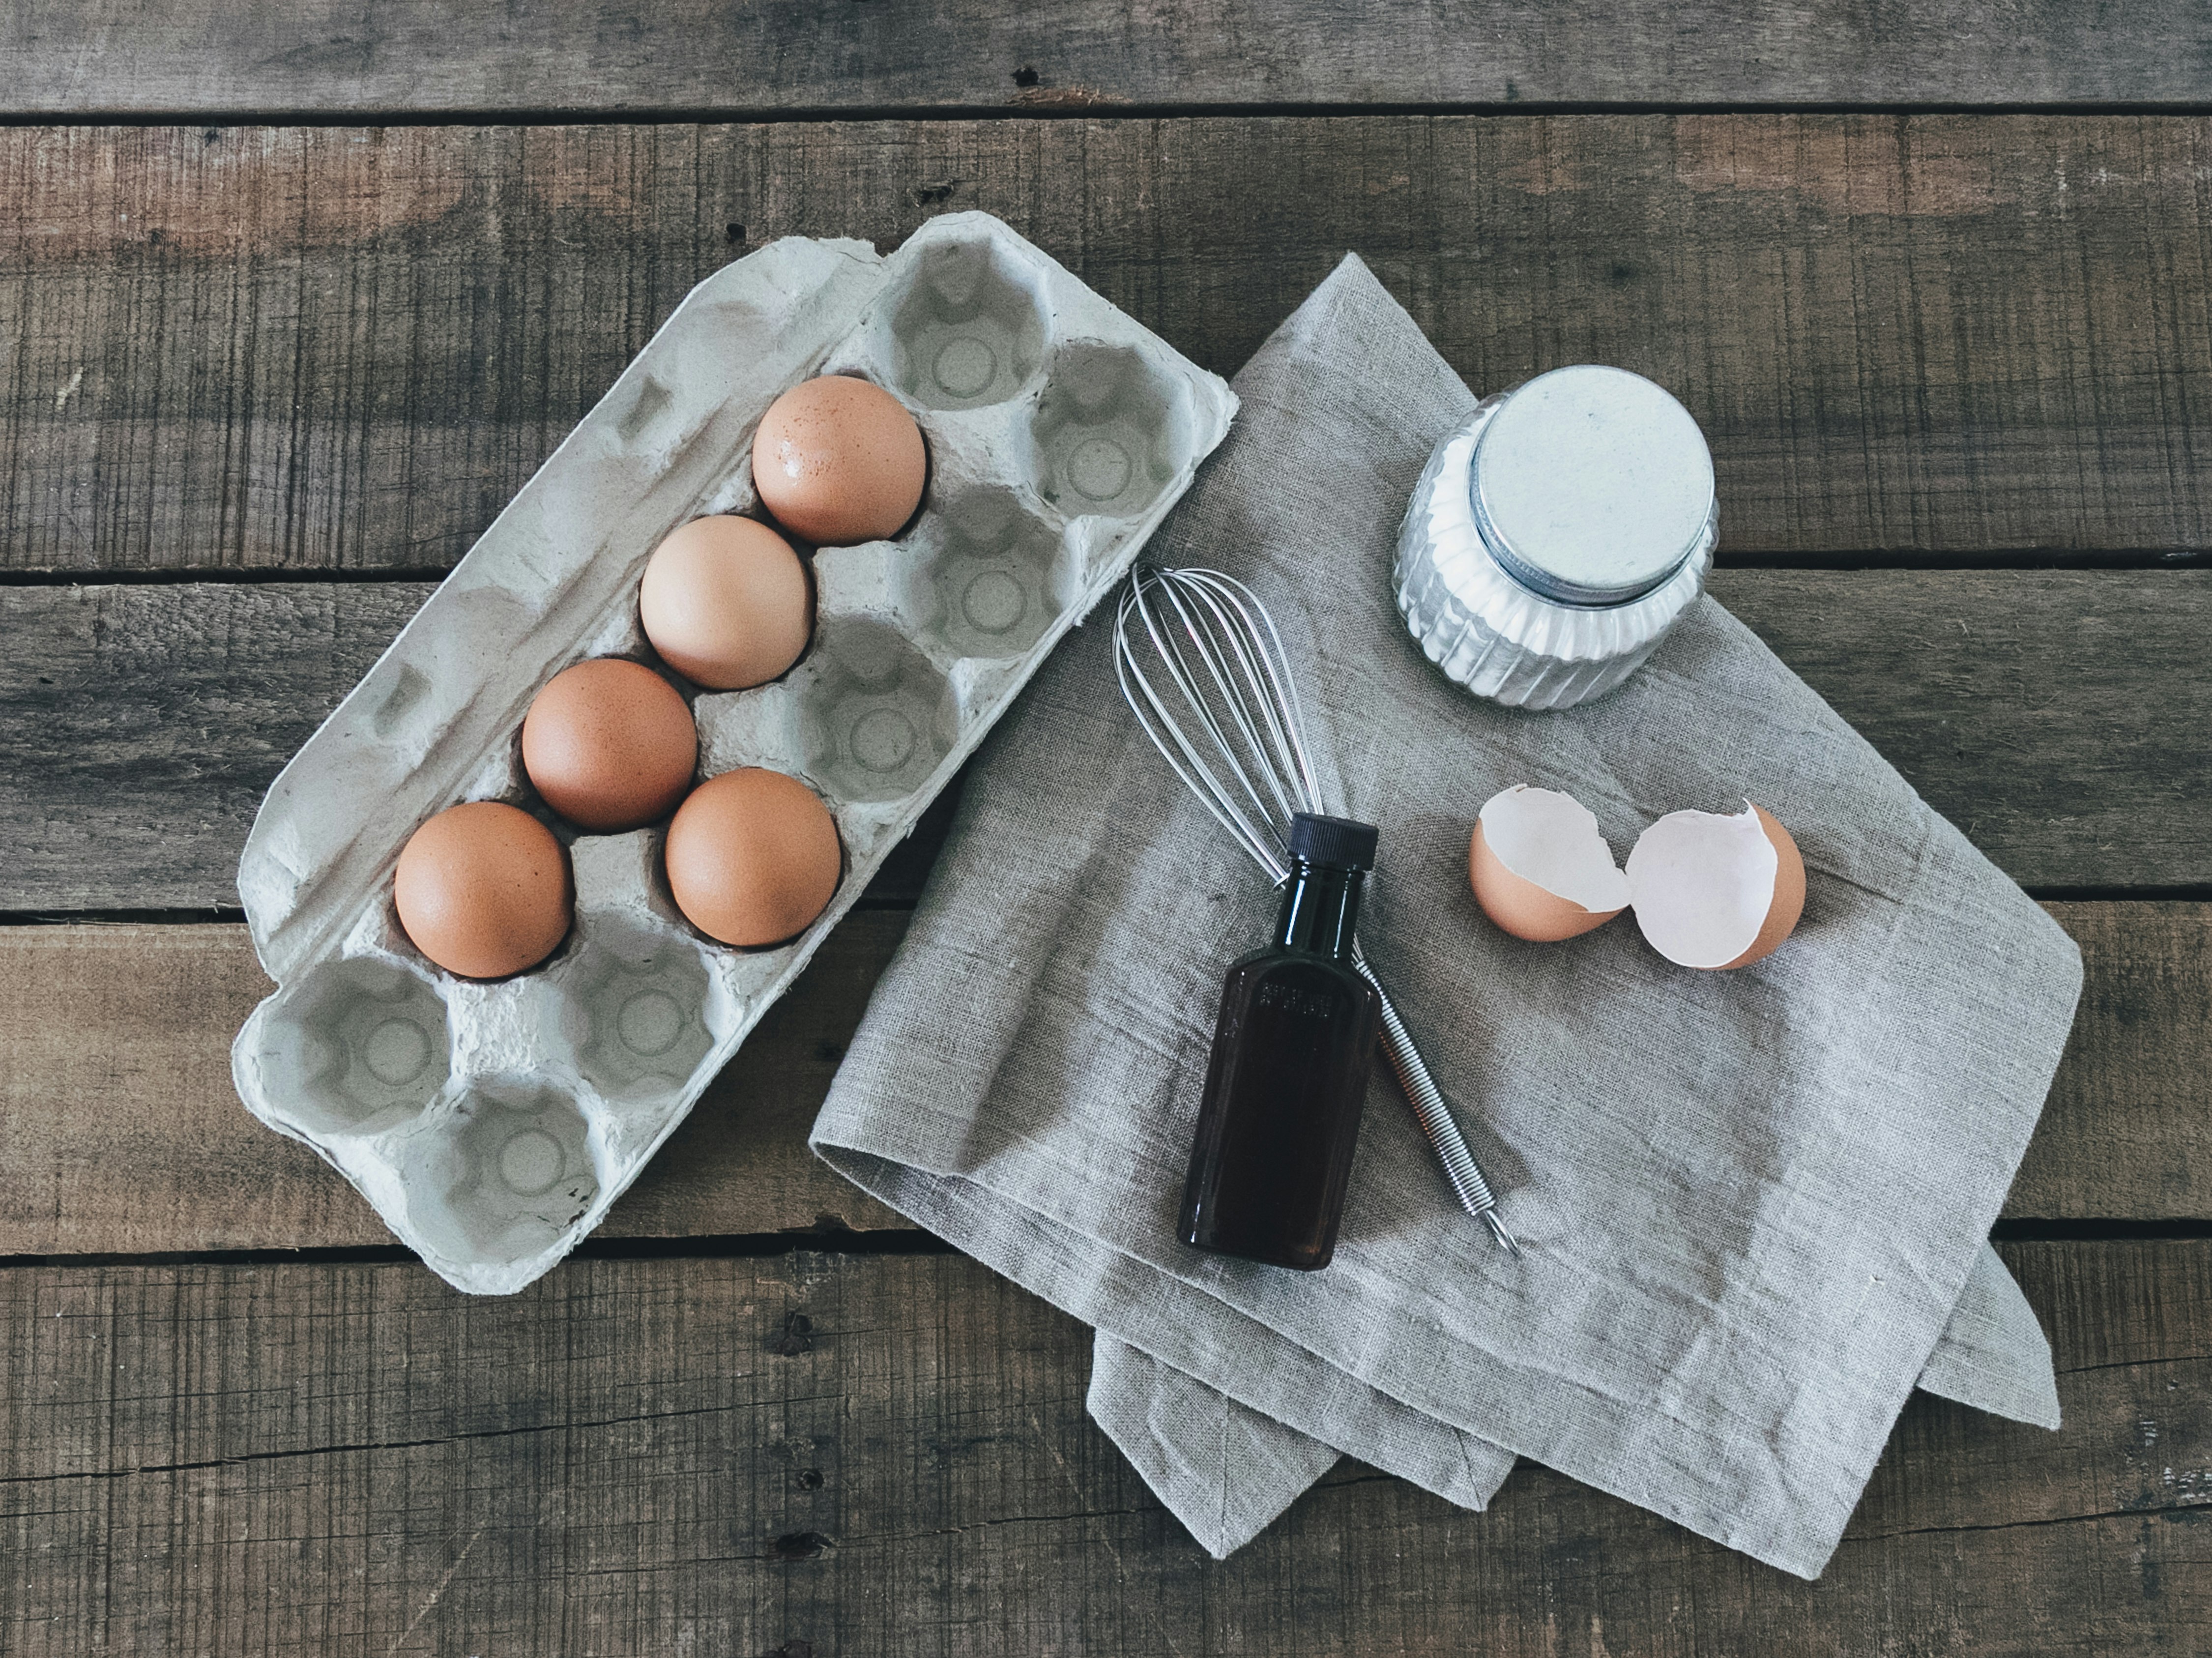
(838, 460)
(725, 602)
(484, 890)
(753, 857)
(610, 745)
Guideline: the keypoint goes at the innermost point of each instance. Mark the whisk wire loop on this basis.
(1270, 720)
(1253, 830)
(1187, 643)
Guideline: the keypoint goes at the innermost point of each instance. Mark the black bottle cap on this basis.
(1337, 841)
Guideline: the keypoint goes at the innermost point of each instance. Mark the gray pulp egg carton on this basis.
(492, 1124)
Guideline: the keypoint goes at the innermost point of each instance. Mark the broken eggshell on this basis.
(1712, 890)
(1539, 868)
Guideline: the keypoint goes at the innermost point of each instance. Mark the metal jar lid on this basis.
(1591, 485)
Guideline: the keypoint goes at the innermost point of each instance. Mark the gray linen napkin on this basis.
(1751, 1201)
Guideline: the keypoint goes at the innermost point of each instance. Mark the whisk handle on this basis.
(1434, 1115)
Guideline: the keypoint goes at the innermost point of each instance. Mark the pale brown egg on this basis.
(753, 857)
(725, 602)
(838, 460)
(484, 890)
(1716, 891)
(1539, 868)
(610, 745)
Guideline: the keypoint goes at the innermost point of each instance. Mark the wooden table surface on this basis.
(293, 298)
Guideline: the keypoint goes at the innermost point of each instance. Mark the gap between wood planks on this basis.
(845, 1240)
(2027, 558)
(2197, 894)
(1076, 108)
(835, 1240)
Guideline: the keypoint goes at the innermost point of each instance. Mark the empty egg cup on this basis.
(355, 1047)
(511, 1171)
(987, 579)
(635, 1012)
(1110, 432)
(967, 328)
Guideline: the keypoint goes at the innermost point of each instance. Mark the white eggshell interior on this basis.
(1552, 840)
(1702, 884)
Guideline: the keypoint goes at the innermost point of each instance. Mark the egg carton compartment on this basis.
(352, 1046)
(965, 326)
(1110, 431)
(492, 1124)
(876, 715)
(986, 579)
(636, 1016)
(503, 1178)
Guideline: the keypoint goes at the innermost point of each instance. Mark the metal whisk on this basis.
(1228, 684)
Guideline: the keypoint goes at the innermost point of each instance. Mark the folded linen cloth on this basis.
(1751, 1202)
(1226, 1471)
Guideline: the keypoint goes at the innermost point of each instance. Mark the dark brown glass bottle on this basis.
(1280, 1116)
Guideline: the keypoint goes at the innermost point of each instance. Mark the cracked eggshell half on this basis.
(1716, 891)
(1540, 869)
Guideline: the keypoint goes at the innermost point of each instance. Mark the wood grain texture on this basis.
(410, 55)
(140, 726)
(2054, 716)
(1932, 337)
(824, 1454)
(120, 1133)
(2127, 1130)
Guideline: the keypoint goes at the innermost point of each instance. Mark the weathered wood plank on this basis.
(139, 725)
(2125, 1133)
(325, 56)
(118, 1122)
(2002, 698)
(630, 1458)
(1925, 337)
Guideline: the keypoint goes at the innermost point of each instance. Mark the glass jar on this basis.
(1555, 538)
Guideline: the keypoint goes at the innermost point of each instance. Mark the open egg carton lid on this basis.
(492, 1124)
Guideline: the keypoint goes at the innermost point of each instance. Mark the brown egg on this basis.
(753, 857)
(1519, 906)
(610, 745)
(484, 890)
(725, 602)
(838, 461)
